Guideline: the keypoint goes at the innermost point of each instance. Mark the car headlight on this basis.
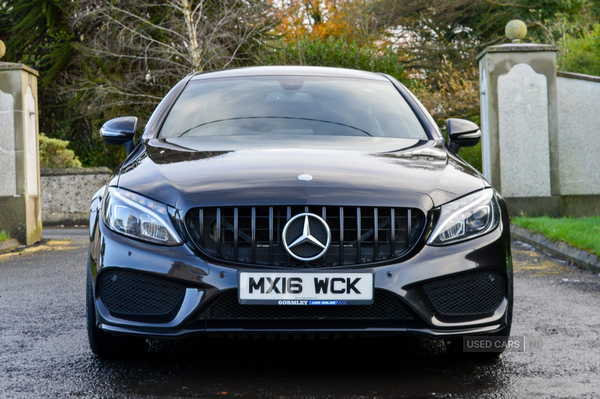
(136, 216)
(465, 218)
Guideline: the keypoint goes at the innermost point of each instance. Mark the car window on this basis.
(291, 106)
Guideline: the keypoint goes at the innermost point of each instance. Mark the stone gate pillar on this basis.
(520, 125)
(20, 205)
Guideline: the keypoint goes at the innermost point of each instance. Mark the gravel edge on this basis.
(558, 249)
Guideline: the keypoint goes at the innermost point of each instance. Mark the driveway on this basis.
(44, 352)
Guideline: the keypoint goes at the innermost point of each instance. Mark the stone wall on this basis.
(579, 138)
(67, 193)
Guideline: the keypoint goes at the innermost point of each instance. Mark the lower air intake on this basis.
(137, 296)
(386, 306)
(466, 297)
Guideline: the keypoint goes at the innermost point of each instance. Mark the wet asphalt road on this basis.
(44, 352)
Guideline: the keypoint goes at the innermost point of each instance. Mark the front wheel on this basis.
(103, 344)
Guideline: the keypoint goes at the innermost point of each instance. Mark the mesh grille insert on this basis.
(227, 307)
(466, 297)
(128, 294)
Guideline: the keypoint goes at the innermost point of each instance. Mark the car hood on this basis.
(354, 171)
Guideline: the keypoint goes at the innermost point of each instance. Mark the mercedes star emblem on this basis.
(306, 237)
(305, 177)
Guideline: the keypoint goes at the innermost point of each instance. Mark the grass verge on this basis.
(4, 235)
(580, 233)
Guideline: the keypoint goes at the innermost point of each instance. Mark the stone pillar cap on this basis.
(517, 47)
(11, 66)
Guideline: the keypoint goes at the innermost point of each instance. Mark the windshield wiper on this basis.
(274, 117)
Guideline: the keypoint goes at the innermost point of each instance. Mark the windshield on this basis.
(297, 105)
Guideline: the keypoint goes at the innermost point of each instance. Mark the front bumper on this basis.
(204, 282)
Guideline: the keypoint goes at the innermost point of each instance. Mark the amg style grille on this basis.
(385, 306)
(254, 234)
(131, 295)
(466, 297)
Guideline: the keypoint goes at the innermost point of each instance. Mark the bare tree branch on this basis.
(143, 47)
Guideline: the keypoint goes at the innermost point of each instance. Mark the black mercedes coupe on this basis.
(295, 202)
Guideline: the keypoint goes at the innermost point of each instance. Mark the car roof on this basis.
(290, 71)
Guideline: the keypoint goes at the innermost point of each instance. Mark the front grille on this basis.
(136, 296)
(254, 234)
(385, 306)
(467, 297)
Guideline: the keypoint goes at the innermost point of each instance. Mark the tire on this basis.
(103, 344)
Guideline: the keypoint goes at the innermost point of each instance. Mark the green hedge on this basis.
(54, 154)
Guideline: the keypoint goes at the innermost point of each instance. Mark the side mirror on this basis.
(120, 131)
(462, 133)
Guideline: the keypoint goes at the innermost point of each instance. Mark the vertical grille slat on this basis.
(409, 227)
(253, 248)
(392, 231)
(341, 235)
(236, 233)
(270, 235)
(375, 233)
(324, 216)
(218, 232)
(358, 235)
(201, 226)
(253, 235)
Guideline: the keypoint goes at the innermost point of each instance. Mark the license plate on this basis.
(305, 289)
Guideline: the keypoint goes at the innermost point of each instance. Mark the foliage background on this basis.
(100, 59)
(54, 154)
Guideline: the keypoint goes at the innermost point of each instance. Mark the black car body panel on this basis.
(256, 171)
(422, 175)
